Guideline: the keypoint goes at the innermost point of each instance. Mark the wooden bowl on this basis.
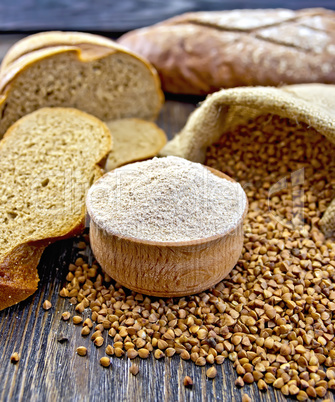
(167, 269)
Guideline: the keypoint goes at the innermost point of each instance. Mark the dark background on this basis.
(118, 16)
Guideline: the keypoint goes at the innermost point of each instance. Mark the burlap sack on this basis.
(312, 104)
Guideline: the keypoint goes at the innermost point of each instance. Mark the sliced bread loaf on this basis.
(203, 52)
(48, 160)
(134, 140)
(89, 73)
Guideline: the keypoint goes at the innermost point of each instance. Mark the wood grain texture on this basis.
(119, 16)
(51, 371)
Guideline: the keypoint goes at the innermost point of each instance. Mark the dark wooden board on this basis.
(50, 371)
(119, 16)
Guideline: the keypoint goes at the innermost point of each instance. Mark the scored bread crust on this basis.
(86, 47)
(202, 52)
(18, 267)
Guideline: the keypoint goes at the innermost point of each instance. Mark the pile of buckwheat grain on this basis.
(273, 315)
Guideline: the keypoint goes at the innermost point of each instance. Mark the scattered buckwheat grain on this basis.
(105, 361)
(188, 382)
(15, 357)
(82, 351)
(134, 369)
(211, 372)
(77, 320)
(246, 398)
(46, 305)
(66, 316)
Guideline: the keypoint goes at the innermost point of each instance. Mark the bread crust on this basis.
(200, 53)
(18, 268)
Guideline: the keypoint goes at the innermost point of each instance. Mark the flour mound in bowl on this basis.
(166, 199)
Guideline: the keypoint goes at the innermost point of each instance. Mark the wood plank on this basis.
(119, 16)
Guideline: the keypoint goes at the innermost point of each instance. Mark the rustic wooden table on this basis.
(51, 371)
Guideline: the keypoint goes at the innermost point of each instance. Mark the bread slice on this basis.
(94, 75)
(48, 160)
(134, 140)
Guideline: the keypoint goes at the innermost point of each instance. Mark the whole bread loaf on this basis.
(202, 52)
(88, 72)
(48, 160)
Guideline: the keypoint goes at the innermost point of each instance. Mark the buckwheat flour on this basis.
(166, 199)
